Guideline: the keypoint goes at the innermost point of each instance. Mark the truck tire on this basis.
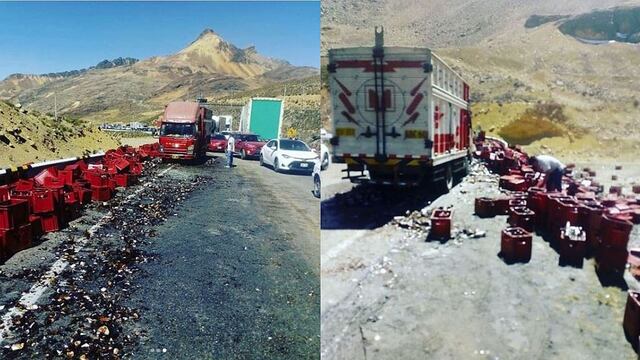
(243, 155)
(446, 184)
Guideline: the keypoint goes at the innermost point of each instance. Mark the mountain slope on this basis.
(28, 136)
(134, 92)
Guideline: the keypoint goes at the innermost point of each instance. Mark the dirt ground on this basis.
(387, 293)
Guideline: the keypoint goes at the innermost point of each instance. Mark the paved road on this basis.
(235, 275)
(197, 262)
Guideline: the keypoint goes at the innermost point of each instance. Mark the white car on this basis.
(288, 155)
(316, 179)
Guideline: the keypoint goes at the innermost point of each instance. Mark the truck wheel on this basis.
(446, 184)
(276, 165)
(243, 155)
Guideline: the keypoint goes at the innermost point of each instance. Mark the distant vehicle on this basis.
(218, 143)
(316, 179)
(185, 128)
(288, 155)
(263, 117)
(248, 145)
(226, 134)
(399, 112)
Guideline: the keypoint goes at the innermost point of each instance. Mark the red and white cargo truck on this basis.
(399, 113)
(185, 128)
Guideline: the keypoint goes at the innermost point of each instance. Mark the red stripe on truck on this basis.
(415, 89)
(411, 119)
(367, 65)
(414, 104)
(347, 103)
(344, 88)
(349, 118)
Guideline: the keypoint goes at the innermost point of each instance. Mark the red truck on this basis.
(248, 145)
(185, 129)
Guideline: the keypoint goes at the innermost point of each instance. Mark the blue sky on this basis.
(42, 37)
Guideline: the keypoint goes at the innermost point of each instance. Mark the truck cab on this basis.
(184, 131)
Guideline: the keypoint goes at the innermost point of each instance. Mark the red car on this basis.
(218, 143)
(248, 145)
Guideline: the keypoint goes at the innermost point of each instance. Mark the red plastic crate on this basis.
(520, 216)
(631, 322)
(51, 222)
(14, 213)
(67, 177)
(615, 232)
(84, 195)
(100, 193)
(46, 175)
(15, 240)
(96, 177)
(484, 207)
(125, 180)
(4, 193)
(515, 245)
(610, 260)
(441, 224)
(573, 247)
(36, 225)
(44, 201)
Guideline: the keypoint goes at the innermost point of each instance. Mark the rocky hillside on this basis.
(522, 62)
(29, 136)
(135, 91)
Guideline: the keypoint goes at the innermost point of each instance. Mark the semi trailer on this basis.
(400, 115)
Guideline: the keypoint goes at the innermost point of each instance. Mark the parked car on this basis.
(248, 145)
(218, 143)
(316, 179)
(287, 154)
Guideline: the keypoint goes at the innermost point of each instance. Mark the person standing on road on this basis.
(552, 168)
(231, 148)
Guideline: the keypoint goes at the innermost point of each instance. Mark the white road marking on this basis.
(36, 291)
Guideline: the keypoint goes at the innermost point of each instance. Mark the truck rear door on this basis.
(381, 102)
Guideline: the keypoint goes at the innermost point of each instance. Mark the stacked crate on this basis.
(15, 228)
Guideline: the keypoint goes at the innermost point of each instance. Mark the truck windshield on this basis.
(294, 145)
(177, 130)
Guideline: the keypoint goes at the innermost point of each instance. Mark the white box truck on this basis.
(399, 113)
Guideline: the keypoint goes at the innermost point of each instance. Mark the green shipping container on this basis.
(263, 116)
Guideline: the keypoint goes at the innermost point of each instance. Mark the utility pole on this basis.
(55, 106)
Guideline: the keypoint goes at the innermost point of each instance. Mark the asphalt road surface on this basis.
(199, 261)
(387, 293)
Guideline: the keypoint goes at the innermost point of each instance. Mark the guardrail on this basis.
(26, 171)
